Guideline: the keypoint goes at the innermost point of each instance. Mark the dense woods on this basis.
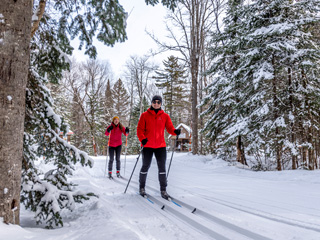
(244, 76)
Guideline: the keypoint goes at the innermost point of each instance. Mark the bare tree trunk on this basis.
(293, 137)
(304, 156)
(15, 32)
(275, 113)
(311, 159)
(240, 153)
(139, 71)
(194, 19)
(195, 50)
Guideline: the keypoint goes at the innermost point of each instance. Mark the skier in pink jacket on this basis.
(115, 130)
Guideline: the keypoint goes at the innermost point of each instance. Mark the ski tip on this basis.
(163, 207)
(193, 211)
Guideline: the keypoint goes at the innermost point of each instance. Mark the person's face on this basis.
(116, 121)
(156, 104)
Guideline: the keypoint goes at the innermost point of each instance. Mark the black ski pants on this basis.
(113, 150)
(161, 157)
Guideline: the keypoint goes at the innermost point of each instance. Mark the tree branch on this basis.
(37, 16)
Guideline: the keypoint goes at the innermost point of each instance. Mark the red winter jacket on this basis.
(115, 138)
(152, 125)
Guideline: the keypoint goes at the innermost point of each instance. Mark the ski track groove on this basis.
(255, 202)
(204, 215)
(188, 220)
(197, 226)
(269, 205)
(259, 213)
(264, 216)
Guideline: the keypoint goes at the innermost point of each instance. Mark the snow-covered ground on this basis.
(231, 203)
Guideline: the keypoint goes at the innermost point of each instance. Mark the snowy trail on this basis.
(196, 211)
(231, 203)
(274, 217)
(298, 214)
(164, 205)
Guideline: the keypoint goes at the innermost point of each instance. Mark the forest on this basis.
(243, 76)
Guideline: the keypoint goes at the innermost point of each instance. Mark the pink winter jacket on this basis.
(115, 138)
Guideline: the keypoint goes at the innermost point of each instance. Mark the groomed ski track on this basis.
(275, 215)
(255, 212)
(184, 212)
(213, 201)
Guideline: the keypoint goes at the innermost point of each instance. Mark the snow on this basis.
(1, 18)
(1, 22)
(51, 113)
(5, 191)
(274, 28)
(66, 57)
(34, 18)
(187, 128)
(231, 201)
(9, 98)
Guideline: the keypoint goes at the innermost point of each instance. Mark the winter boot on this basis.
(118, 174)
(165, 195)
(142, 192)
(110, 175)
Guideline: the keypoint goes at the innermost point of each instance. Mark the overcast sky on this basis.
(141, 17)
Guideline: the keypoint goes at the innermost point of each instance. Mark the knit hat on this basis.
(157, 97)
(115, 118)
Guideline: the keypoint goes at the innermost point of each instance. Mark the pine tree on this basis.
(50, 44)
(101, 125)
(121, 101)
(172, 81)
(224, 92)
(109, 104)
(275, 42)
(133, 141)
(77, 123)
(47, 193)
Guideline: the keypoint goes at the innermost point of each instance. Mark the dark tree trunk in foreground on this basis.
(15, 31)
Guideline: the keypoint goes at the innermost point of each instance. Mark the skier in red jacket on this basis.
(150, 131)
(115, 131)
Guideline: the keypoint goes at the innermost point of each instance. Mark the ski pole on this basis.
(174, 148)
(125, 156)
(105, 169)
(133, 169)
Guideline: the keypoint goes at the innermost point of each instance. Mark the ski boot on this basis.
(110, 175)
(165, 195)
(118, 174)
(142, 192)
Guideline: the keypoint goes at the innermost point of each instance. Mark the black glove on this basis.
(144, 141)
(127, 130)
(109, 129)
(177, 131)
